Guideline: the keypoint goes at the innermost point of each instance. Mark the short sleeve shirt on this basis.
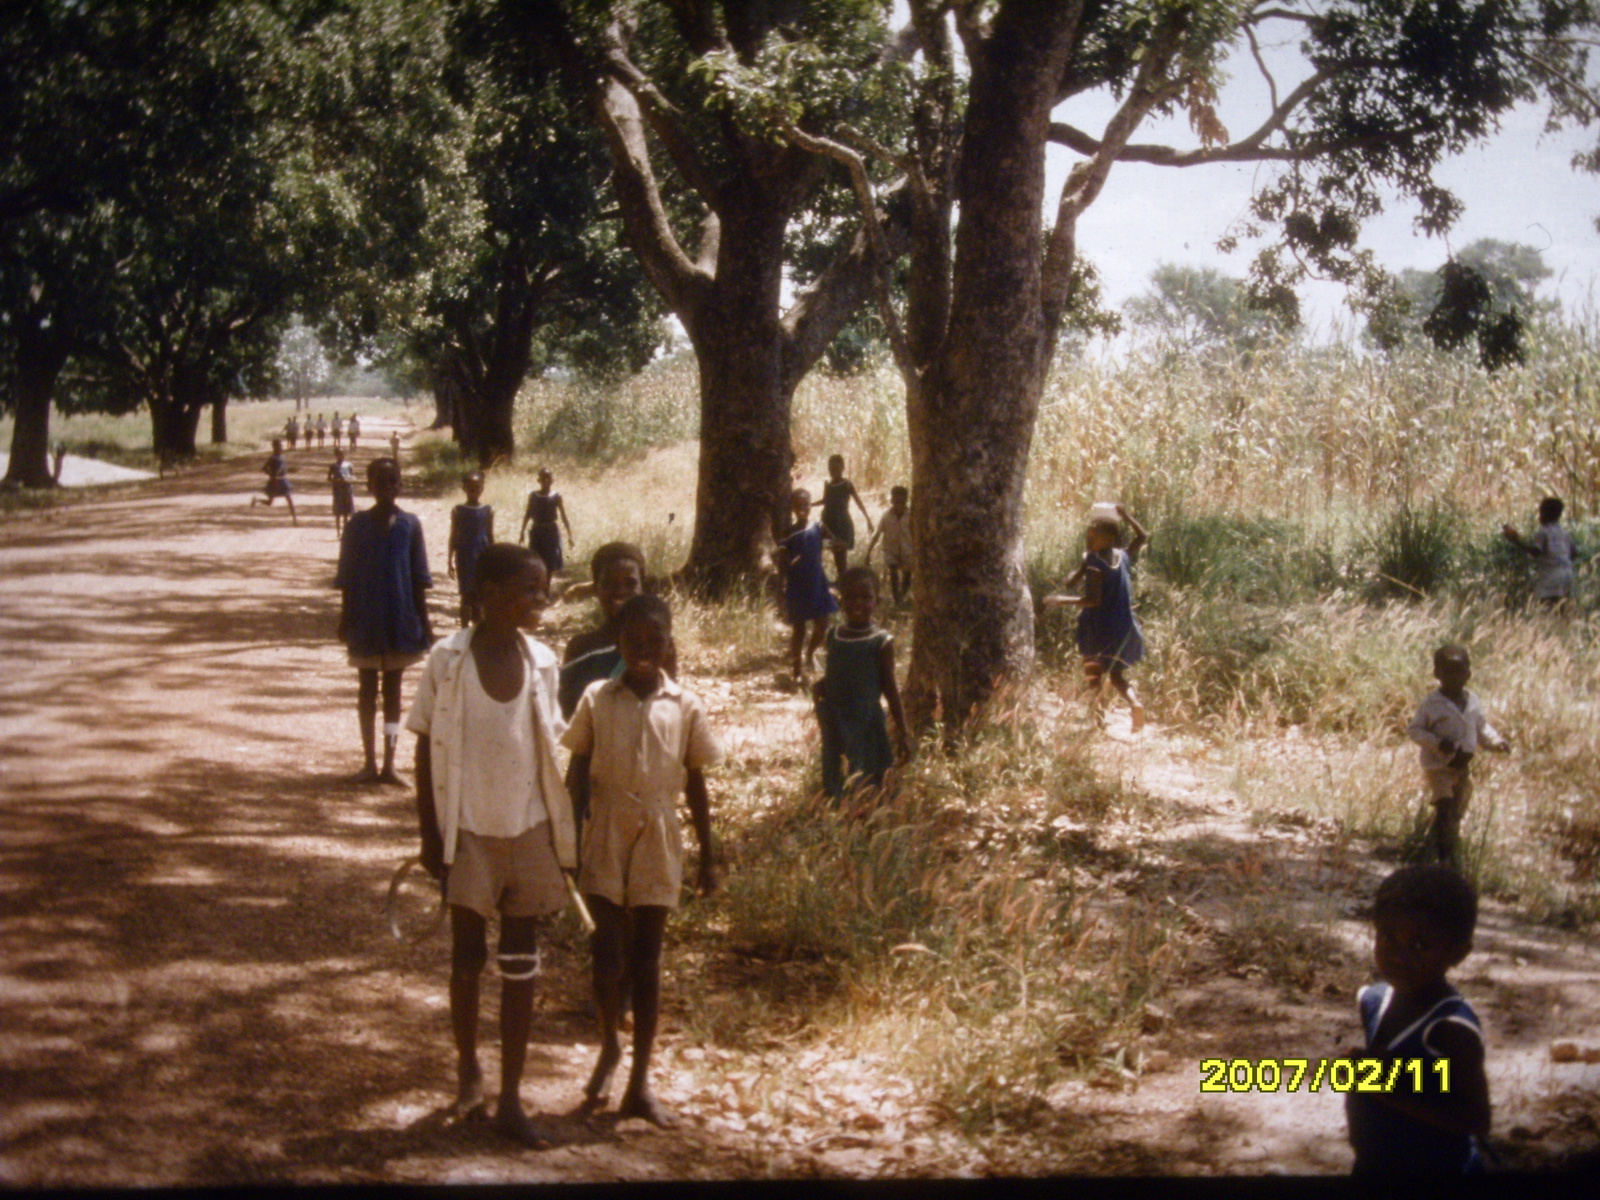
(641, 747)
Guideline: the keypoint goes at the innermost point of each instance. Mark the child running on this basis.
(837, 493)
(471, 529)
(618, 573)
(383, 580)
(894, 527)
(539, 522)
(806, 597)
(1109, 637)
(638, 742)
(495, 818)
(341, 477)
(1450, 726)
(276, 469)
(857, 677)
(1552, 549)
(1421, 1030)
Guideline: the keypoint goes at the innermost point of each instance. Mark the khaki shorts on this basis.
(517, 877)
(1446, 784)
(386, 662)
(632, 852)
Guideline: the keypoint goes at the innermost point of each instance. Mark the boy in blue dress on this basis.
(383, 580)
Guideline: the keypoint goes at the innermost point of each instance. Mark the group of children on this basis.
(509, 833)
(318, 431)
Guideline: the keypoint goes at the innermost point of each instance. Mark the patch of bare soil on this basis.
(197, 986)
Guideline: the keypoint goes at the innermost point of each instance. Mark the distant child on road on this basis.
(894, 528)
(471, 529)
(341, 478)
(806, 598)
(539, 526)
(1424, 1034)
(383, 580)
(322, 432)
(276, 469)
(495, 818)
(1552, 549)
(1450, 726)
(858, 678)
(638, 742)
(837, 493)
(1109, 637)
(354, 429)
(338, 431)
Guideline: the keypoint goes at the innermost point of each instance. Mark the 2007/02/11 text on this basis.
(1339, 1074)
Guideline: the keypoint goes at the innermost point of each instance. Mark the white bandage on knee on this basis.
(518, 967)
(391, 729)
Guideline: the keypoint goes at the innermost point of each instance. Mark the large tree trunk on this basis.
(219, 419)
(38, 363)
(972, 413)
(175, 423)
(745, 398)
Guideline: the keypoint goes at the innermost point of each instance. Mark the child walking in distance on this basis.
(857, 678)
(806, 598)
(1109, 637)
(544, 509)
(894, 527)
(1425, 1036)
(837, 493)
(638, 742)
(342, 479)
(471, 529)
(291, 432)
(1552, 550)
(495, 818)
(322, 432)
(276, 469)
(383, 580)
(338, 431)
(618, 573)
(353, 428)
(1450, 726)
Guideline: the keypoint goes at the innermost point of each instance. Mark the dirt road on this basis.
(196, 985)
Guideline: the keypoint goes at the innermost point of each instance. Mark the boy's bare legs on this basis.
(644, 968)
(841, 561)
(797, 639)
(608, 947)
(1447, 815)
(518, 957)
(391, 720)
(367, 711)
(819, 631)
(289, 500)
(469, 952)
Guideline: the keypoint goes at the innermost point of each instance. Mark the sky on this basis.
(1519, 186)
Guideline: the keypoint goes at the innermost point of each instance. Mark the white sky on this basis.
(1517, 187)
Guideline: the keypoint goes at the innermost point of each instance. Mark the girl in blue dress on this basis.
(857, 679)
(806, 598)
(1109, 637)
(471, 529)
(544, 510)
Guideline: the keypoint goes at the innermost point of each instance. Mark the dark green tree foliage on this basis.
(537, 276)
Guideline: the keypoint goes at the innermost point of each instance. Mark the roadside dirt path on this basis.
(197, 987)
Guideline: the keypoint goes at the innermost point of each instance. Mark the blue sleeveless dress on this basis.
(805, 592)
(469, 534)
(1385, 1140)
(854, 729)
(1109, 633)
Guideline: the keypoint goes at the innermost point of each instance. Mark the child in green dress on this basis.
(858, 677)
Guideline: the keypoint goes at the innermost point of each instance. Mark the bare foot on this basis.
(519, 1127)
(594, 1092)
(390, 777)
(469, 1099)
(367, 774)
(1138, 717)
(640, 1103)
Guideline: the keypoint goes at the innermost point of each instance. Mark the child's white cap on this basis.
(1104, 510)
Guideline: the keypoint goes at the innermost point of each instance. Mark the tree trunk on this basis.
(972, 413)
(38, 363)
(175, 424)
(219, 420)
(746, 458)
